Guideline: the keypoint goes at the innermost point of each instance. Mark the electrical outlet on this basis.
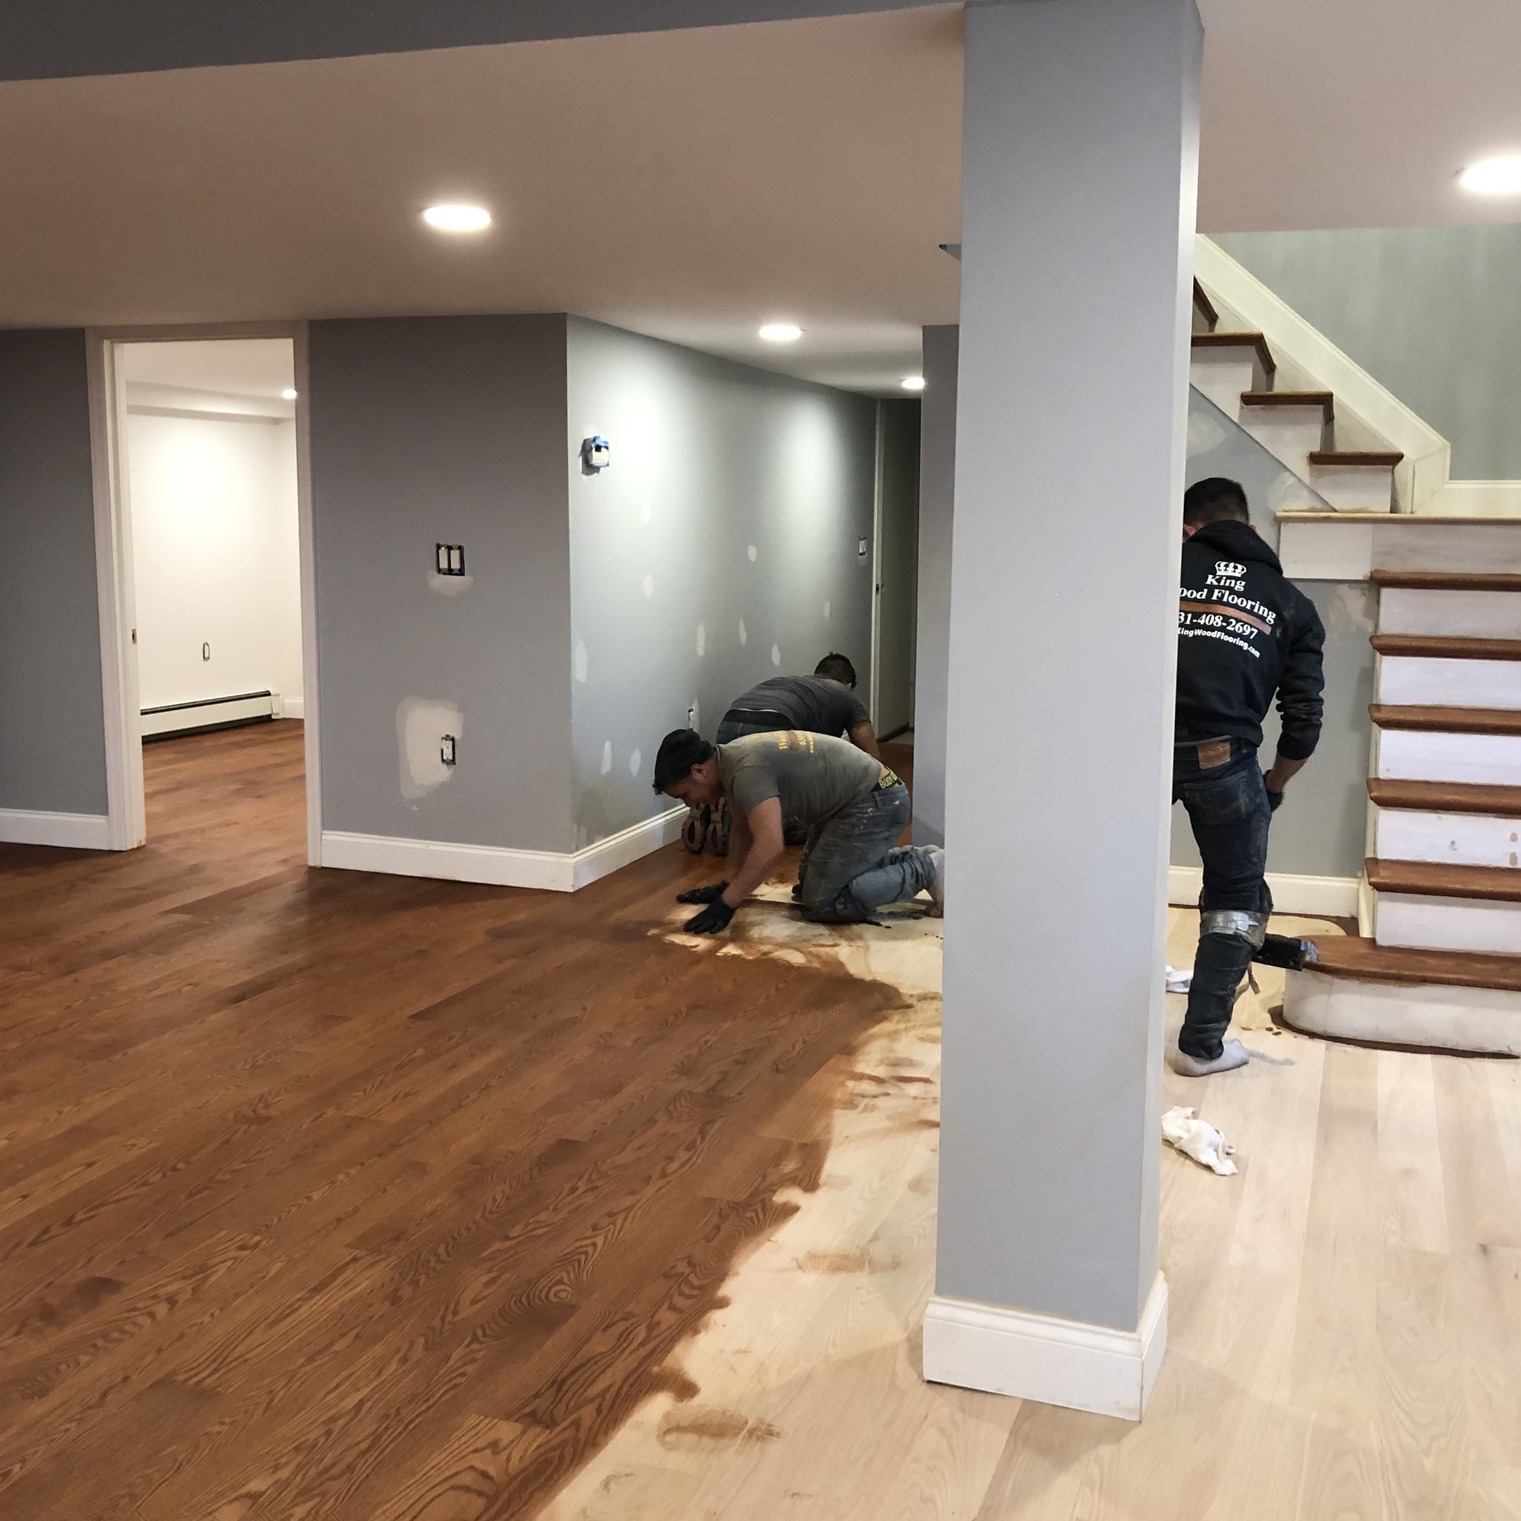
(446, 750)
(692, 716)
(205, 648)
(449, 559)
(861, 548)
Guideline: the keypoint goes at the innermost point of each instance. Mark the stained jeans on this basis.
(853, 867)
(1228, 809)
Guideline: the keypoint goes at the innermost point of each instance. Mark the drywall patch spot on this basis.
(421, 723)
(581, 661)
(607, 757)
(826, 608)
(449, 586)
(649, 586)
(754, 554)
(776, 654)
(1204, 432)
(634, 762)
(744, 635)
(702, 640)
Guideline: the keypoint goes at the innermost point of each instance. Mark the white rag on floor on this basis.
(1179, 981)
(1198, 1139)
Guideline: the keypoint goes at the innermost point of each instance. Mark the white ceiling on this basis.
(686, 184)
(259, 367)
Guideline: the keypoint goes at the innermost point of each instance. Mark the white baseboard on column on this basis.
(71, 831)
(500, 866)
(1316, 897)
(1040, 1357)
(292, 707)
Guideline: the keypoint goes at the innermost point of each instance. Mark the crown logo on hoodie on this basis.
(1229, 568)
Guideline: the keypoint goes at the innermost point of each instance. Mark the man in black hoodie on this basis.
(1245, 636)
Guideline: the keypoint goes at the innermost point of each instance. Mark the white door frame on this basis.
(114, 577)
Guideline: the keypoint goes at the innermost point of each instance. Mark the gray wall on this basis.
(84, 37)
(1432, 313)
(897, 563)
(1319, 832)
(52, 742)
(1073, 379)
(937, 482)
(452, 429)
(709, 458)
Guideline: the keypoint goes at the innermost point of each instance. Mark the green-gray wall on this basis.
(1433, 314)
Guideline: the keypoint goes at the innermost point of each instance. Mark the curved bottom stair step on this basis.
(1411, 999)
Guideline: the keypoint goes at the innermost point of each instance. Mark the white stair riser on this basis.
(1450, 614)
(1486, 925)
(1223, 374)
(1410, 755)
(1449, 839)
(1418, 681)
(1355, 488)
(1289, 434)
(1457, 1019)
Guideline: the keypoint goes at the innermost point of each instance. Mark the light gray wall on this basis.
(52, 742)
(1319, 832)
(709, 458)
(897, 560)
(937, 483)
(1431, 313)
(1063, 636)
(444, 429)
(65, 37)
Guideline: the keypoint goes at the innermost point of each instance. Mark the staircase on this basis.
(1238, 373)
(1439, 961)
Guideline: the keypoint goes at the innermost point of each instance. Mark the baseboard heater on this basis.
(208, 713)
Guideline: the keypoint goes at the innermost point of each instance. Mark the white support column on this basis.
(1079, 191)
(937, 479)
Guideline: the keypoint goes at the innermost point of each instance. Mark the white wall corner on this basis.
(71, 831)
(1315, 897)
(1040, 1357)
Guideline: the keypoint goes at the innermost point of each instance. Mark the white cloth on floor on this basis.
(1198, 1139)
(1178, 980)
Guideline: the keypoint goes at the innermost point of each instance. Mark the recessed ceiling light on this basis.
(1494, 176)
(457, 217)
(913, 382)
(288, 394)
(781, 332)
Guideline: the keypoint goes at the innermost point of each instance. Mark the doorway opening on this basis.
(210, 570)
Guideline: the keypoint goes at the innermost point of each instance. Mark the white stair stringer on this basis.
(1481, 1020)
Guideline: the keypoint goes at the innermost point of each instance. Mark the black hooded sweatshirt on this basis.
(1245, 634)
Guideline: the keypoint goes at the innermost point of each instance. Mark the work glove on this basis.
(709, 894)
(1274, 798)
(713, 920)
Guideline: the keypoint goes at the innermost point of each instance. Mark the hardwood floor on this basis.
(339, 1196)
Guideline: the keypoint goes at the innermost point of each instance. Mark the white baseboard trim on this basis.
(72, 831)
(1040, 1357)
(1317, 897)
(496, 865)
(292, 707)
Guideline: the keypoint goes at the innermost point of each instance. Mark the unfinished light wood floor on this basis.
(326, 1195)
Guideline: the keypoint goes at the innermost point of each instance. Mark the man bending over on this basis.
(855, 807)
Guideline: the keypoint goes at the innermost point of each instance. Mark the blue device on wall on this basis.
(596, 454)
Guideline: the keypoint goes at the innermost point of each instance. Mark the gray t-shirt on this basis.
(814, 703)
(813, 775)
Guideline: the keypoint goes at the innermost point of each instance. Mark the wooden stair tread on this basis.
(1446, 797)
(1322, 399)
(1237, 341)
(1436, 879)
(1205, 307)
(1444, 580)
(1356, 457)
(1447, 647)
(1350, 956)
(1447, 720)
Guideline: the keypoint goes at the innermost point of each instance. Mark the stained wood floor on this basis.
(327, 1195)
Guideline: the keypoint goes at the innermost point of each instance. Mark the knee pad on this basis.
(1235, 922)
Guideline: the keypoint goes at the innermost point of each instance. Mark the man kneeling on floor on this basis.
(855, 807)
